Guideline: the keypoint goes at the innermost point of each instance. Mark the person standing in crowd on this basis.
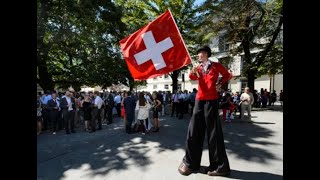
(68, 106)
(165, 100)
(160, 98)
(247, 100)
(180, 107)
(77, 111)
(39, 115)
(129, 106)
(45, 111)
(227, 107)
(174, 103)
(156, 109)
(117, 102)
(281, 97)
(192, 99)
(256, 99)
(273, 97)
(108, 107)
(205, 119)
(123, 111)
(54, 108)
(143, 106)
(186, 102)
(264, 99)
(96, 112)
(86, 108)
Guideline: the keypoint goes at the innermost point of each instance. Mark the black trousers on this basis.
(129, 120)
(54, 117)
(108, 113)
(96, 116)
(118, 108)
(180, 109)
(46, 119)
(174, 108)
(69, 120)
(205, 119)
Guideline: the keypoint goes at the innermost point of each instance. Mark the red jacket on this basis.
(207, 82)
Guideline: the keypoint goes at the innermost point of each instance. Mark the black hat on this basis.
(205, 48)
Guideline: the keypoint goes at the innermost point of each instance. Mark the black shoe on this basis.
(73, 131)
(155, 130)
(99, 128)
(184, 170)
(216, 173)
(67, 132)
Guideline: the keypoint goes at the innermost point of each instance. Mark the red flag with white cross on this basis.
(155, 49)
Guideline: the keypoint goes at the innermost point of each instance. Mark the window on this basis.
(155, 78)
(166, 86)
(244, 83)
(180, 75)
(179, 86)
(155, 86)
(166, 76)
(223, 45)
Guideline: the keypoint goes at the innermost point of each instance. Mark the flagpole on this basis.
(195, 64)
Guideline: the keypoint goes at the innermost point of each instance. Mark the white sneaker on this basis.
(54, 133)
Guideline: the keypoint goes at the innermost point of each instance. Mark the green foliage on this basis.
(245, 23)
(78, 42)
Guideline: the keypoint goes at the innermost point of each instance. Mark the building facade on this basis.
(234, 64)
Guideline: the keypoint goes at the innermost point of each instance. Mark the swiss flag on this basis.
(155, 49)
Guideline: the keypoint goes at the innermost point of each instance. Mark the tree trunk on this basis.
(251, 78)
(131, 87)
(45, 79)
(131, 83)
(174, 78)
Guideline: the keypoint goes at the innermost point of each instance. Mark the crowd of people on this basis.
(230, 103)
(65, 111)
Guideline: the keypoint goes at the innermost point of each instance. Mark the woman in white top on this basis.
(143, 107)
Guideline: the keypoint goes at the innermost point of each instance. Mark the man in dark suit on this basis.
(53, 107)
(129, 106)
(108, 107)
(68, 106)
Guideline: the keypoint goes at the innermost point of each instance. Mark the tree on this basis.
(77, 43)
(249, 25)
(188, 16)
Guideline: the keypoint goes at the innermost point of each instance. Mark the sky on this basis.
(198, 2)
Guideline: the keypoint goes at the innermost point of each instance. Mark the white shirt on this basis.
(46, 98)
(69, 103)
(205, 65)
(117, 99)
(175, 97)
(181, 96)
(248, 97)
(143, 111)
(98, 102)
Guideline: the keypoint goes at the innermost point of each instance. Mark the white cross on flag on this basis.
(155, 49)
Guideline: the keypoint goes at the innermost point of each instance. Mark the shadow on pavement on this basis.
(254, 175)
(111, 150)
(245, 175)
(244, 141)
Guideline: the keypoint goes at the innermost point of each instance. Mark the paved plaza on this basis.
(255, 151)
